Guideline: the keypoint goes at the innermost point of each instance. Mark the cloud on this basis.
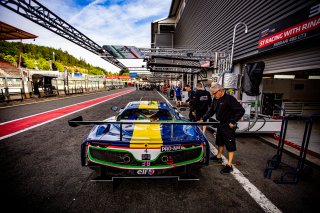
(104, 21)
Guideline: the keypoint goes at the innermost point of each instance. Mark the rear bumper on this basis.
(102, 156)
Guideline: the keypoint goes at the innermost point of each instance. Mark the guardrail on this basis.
(11, 94)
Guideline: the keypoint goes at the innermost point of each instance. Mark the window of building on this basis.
(167, 28)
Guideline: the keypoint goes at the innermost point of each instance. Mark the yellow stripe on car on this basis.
(148, 105)
(146, 135)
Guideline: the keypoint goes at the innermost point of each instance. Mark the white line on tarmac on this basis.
(252, 190)
(56, 99)
(26, 129)
(165, 98)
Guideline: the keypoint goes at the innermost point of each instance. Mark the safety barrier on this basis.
(7, 94)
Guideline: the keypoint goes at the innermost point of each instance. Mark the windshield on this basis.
(146, 114)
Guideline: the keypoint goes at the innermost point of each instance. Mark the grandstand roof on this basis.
(8, 32)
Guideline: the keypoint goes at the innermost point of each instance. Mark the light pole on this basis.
(233, 40)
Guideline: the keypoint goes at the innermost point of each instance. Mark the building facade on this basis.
(285, 35)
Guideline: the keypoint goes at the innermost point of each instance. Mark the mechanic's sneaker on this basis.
(216, 159)
(226, 170)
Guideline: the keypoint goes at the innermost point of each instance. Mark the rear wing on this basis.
(79, 121)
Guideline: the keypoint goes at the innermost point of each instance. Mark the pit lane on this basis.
(40, 171)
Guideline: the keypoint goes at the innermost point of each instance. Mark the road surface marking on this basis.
(14, 127)
(48, 100)
(252, 190)
(165, 98)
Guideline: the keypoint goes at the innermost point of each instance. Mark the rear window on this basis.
(146, 114)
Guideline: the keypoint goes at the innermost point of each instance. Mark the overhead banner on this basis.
(124, 52)
(298, 26)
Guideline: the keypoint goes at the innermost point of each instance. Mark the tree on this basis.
(27, 62)
(124, 71)
(10, 59)
(42, 55)
(43, 64)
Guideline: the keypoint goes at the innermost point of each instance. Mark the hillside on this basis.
(35, 56)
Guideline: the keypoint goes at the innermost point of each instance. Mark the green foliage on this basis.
(43, 64)
(124, 72)
(10, 58)
(34, 56)
(27, 62)
(59, 66)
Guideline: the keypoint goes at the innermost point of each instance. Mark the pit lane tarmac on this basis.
(40, 171)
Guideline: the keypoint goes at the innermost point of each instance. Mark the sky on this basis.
(116, 22)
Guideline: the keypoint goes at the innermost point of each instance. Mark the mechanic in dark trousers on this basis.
(201, 103)
(228, 111)
(177, 90)
(190, 101)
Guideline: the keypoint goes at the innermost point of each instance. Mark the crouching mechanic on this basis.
(228, 111)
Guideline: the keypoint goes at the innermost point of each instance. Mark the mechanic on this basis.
(228, 111)
(190, 101)
(177, 90)
(201, 102)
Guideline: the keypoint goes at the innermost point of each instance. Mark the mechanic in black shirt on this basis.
(228, 111)
(190, 101)
(201, 103)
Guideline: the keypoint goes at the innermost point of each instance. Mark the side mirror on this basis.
(114, 108)
(182, 109)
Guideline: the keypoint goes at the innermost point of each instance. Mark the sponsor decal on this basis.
(298, 26)
(145, 172)
(203, 98)
(170, 148)
(146, 163)
(146, 156)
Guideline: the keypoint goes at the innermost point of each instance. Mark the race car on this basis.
(145, 138)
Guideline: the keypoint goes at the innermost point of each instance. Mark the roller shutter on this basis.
(300, 57)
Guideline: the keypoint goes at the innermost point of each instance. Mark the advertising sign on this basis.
(298, 26)
(205, 63)
(79, 75)
(124, 52)
(133, 75)
(117, 77)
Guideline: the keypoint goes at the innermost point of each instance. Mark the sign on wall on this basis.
(296, 27)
